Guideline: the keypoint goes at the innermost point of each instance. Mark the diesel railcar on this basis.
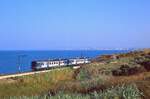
(57, 63)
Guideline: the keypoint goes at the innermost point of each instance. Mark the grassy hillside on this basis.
(35, 84)
(118, 76)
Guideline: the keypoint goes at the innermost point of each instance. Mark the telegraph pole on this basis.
(19, 62)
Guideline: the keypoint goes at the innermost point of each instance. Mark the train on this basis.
(57, 63)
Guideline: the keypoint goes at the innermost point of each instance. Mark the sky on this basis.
(74, 24)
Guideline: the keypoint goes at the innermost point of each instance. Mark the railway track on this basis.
(31, 73)
(24, 74)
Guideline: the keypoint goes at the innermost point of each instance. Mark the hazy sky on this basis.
(74, 24)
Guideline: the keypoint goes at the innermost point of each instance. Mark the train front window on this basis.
(40, 64)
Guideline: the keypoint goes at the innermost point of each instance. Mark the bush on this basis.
(83, 75)
(118, 92)
(126, 70)
(146, 65)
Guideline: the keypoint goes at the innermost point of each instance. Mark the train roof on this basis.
(52, 60)
(65, 59)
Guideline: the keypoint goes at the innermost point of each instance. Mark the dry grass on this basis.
(144, 86)
(89, 78)
(35, 84)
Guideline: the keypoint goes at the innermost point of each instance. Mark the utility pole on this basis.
(19, 62)
(82, 56)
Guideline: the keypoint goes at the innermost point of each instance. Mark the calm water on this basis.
(9, 59)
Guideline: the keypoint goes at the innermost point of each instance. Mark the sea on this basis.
(10, 61)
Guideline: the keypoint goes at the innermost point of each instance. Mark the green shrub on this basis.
(83, 75)
(118, 92)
